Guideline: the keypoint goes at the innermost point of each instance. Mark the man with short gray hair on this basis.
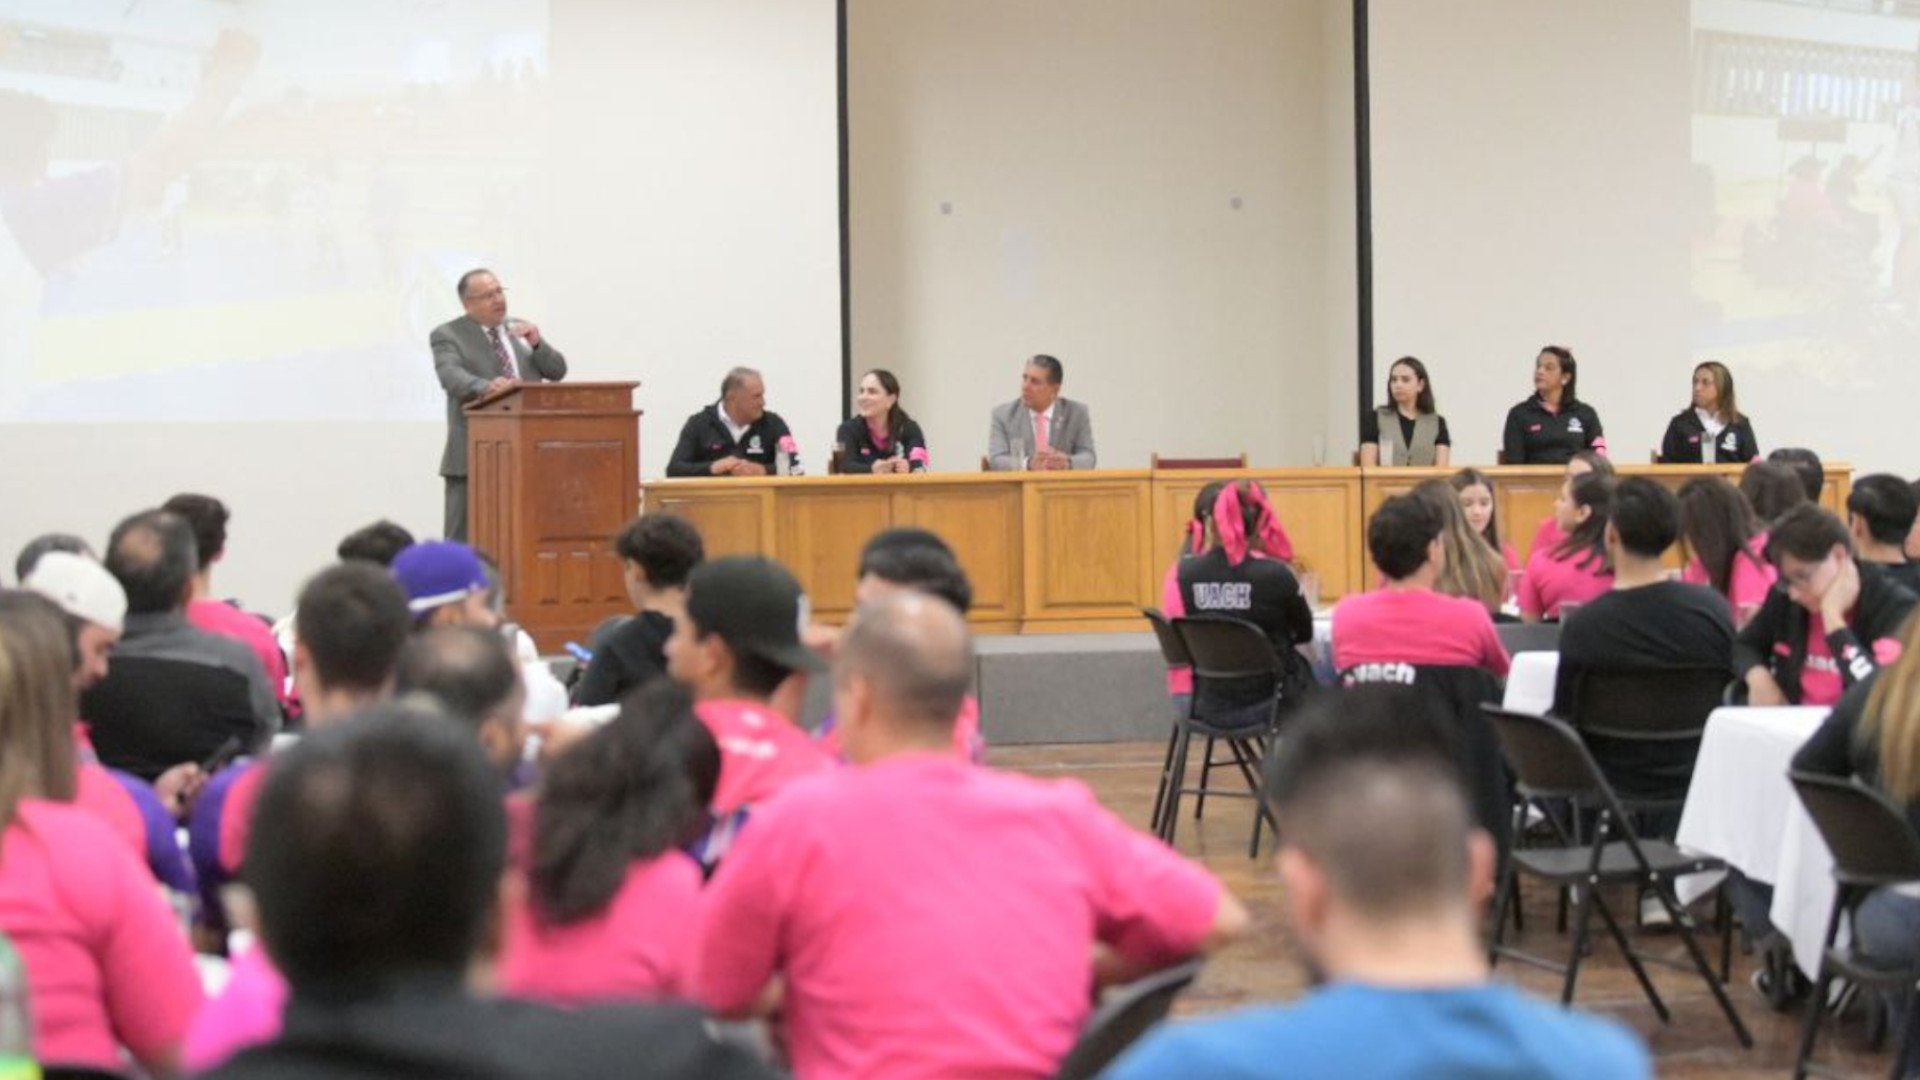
(737, 436)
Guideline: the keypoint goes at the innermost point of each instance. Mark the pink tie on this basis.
(1040, 431)
(505, 354)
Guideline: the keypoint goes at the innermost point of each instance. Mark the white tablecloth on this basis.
(1741, 808)
(1530, 683)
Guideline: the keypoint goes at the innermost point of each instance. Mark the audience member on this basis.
(471, 674)
(1193, 541)
(106, 963)
(1574, 570)
(1041, 430)
(380, 850)
(207, 517)
(95, 607)
(1382, 879)
(1647, 624)
(1472, 568)
(738, 436)
(1726, 545)
(1553, 424)
(611, 897)
(375, 543)
(1771, 490)
(446, 585)
(1408, 621)
(174, 693)
(1833, 624)
(1880, 514)
(1476, 502)
(1244, 575)
(738, 644)
(29, 556)
(657, 552)
(923, 917)
(1548, 534)
(1805, 465)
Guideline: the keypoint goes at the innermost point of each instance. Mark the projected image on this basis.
(1806, 194)
(254, 209)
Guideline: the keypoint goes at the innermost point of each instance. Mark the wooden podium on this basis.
(553, 472)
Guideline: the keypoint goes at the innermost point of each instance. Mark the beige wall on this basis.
(1086, 154)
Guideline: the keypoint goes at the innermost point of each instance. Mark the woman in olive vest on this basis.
(1406, 430)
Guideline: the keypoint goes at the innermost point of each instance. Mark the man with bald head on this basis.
(923, 916)
(480, 353)
(736, 436)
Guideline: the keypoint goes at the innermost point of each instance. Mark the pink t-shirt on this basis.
(1547, 536)
(1550, 582)
(639, 947)
(107, 963)
(1820, 680)
(1747, 587)
(932, 919)
(246, 1013)
(760, 751)
(968, 742)
(236, 817)
(224, 619)
(1415, 626)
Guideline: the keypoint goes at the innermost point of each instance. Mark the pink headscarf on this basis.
(1229, 521)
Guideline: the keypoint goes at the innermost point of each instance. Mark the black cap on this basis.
(755, 606)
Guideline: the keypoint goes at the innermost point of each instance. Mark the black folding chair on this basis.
(1129, 1012)
(1174, 651)
(1552, 762)
(1873, 846)
(1653, 719)
(1226, 653)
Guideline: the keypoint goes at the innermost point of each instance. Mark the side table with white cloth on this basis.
(1741, 808)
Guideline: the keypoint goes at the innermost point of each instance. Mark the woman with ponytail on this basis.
(1243, 572)
(880, 437)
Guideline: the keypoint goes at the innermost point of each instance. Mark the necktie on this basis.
(1040, 431)
(505, 354)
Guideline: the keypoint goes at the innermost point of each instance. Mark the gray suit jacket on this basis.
(465, 363)
(1071, 434)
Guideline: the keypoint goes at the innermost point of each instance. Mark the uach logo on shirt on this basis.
(753, 445)
(1730, 441)
(1368, 674)
(1223, 596)
(1575, 426)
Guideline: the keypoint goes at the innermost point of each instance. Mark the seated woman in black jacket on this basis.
(880, 437)
(1554, 424)
(1712, 429)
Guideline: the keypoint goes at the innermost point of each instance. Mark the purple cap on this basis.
(435, 573)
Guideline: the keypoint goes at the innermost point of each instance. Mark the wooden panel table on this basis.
(1078, 551)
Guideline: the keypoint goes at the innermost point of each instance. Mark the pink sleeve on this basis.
(1530, 600)
(146, 967)
(1172, 604)
(247, 1013)
(1154, 905)
(742, 922)
(1493, 654)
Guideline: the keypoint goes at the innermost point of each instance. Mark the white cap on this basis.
(83, 588)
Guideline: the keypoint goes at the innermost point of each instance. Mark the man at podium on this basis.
(480, 353)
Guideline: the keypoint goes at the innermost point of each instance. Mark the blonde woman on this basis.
(1473, 568)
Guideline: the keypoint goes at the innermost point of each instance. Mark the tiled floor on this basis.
(1698, 1044)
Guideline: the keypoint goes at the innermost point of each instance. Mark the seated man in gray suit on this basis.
(1047, 430)
(482, 352)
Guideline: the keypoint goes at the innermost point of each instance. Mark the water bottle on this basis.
(782, 463)
(16, 1018)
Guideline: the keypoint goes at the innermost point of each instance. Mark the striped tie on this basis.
(505, 354)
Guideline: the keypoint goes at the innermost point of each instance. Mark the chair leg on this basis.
(1632, 958)
(1166, 779)
(1170, 820)
(1246, 757)
(1910, 1021)
(1581, 919)
(1206, 770)
(1810, 1028)
(1723, 919)
(1664, 890)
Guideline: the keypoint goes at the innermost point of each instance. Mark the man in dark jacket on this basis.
(736, 436)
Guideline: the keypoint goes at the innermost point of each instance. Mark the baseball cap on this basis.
(435, 573)
(83, 588)
(755, 606)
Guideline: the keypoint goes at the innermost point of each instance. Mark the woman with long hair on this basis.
(107, 963)
(1548, 534)
(1193, 541)
(1711, 428)
(1771, 490)
(1406, 430)
(1576, 569)
(1473, 569)
(610, 895)
(1477, 503)
(1726, 546)
(880, 437)
(1553, 424)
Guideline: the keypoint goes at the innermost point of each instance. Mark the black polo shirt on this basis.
(705, 440)
(1685, 434)
(1537, 435)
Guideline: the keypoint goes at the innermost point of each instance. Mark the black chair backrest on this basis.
(1225, 648)
(1547, 756)
(1872, 840)
(1452, 695)
(1671, 704)
(1172, 649)
(1529, 637)
(1127, 1014)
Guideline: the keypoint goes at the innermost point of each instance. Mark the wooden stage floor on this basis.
(1261, 968)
